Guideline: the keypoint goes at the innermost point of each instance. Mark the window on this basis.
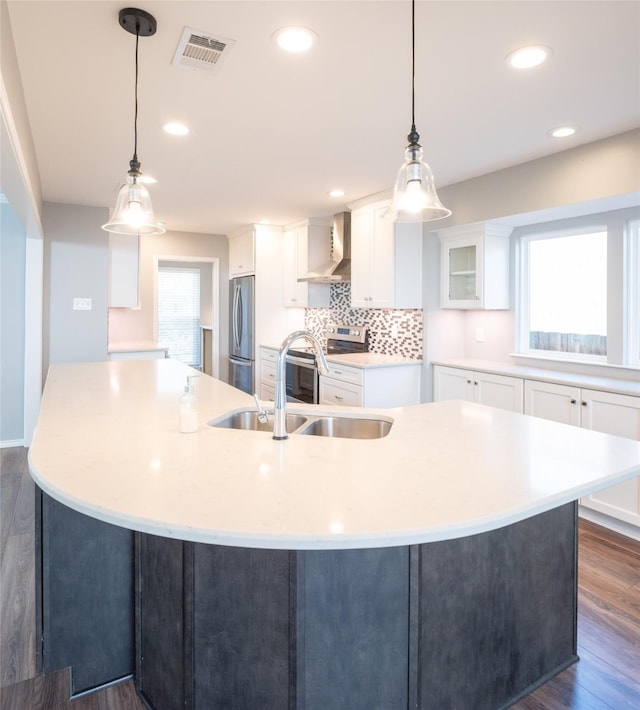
(632, 296)
(564, 295)
(179, 313)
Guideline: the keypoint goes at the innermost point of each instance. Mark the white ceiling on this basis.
(271, 133)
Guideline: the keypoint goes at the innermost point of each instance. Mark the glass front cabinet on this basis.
(475, 267)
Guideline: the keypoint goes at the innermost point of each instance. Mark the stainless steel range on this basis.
(302, 371)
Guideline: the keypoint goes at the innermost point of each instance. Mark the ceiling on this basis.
(271, 133)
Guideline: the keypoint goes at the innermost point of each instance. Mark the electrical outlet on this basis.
(82, 304)
(479, 335)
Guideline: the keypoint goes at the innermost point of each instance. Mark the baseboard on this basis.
(607, 521)
(9, 443)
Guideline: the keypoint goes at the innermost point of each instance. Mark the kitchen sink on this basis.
(309, 425)
(347, 428)
(249, 421)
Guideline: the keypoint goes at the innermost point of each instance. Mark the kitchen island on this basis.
(433, 568)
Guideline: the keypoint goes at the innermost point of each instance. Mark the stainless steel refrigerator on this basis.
(241, 329)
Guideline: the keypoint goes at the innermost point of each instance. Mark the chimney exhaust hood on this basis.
(338, 268)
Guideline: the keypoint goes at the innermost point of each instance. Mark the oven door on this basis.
(302, 380)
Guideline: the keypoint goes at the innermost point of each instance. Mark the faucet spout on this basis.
(280, 404)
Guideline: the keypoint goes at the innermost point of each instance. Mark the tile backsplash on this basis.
(391, 331)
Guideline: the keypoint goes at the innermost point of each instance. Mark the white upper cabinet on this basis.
(386, 260)
(124, 266)
(242, 253)
(307, 247)
(475, 267)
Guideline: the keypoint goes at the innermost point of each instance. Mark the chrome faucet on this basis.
(280, 405)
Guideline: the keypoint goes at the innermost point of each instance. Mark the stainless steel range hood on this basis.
(338, 268)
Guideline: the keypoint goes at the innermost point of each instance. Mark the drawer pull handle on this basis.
(584, 404)
(468, 382)
(574, 401)
(338, 397)
(338, 372)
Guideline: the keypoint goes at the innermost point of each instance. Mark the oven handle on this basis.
(301, 362)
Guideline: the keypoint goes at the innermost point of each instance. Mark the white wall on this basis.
(76, 266)
(12, 327)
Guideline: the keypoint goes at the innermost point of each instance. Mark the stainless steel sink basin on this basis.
(348, 428)
(248, 420)
(309, 425)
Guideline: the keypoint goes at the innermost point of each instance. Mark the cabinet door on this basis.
(461, 275)
(498, 391)
(294, 263)
(360, 258)
(619, 415)
(381, 261)
(124, 263)
(241, 254)
(452, 383)
(558, 403)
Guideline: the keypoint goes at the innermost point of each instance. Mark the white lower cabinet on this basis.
(268, 360)
(391, 386)
(607, 412)
(500, 391)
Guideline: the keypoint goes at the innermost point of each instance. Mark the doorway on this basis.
(187, 312)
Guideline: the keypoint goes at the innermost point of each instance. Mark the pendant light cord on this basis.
(135, 119)
(413, 136)
(413, 65)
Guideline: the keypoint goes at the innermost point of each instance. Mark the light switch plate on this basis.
(82, 304)
(479, 335)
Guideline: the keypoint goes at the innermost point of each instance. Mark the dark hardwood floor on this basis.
(606, 678)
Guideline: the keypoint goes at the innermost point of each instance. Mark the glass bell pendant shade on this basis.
(414, 193)
(133, 213)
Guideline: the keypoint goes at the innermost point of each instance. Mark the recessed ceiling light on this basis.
(295, 39)
(336, 193)
(528, 57)
(175, 129)
(563, 131)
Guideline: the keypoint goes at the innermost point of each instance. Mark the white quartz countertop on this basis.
(630, 386)
(108, 444)
(364, 360)
(135, 346)
(367, 360)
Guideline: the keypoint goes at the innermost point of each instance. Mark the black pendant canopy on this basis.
(138, 22)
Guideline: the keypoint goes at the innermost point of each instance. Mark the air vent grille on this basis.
(202, 51)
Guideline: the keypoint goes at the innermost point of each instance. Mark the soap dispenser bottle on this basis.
(189, 408)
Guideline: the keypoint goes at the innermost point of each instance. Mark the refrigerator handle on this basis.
(240, 322)
(234, 324)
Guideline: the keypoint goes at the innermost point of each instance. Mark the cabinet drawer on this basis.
(268, 355)
(337, 392)
(268, 373)
(345, 374)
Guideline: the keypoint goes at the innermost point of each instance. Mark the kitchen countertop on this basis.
(107, 444)
(629, 386)
(134, 346)
(364, 360)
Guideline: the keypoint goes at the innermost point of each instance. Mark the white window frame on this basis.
(522, 297)
(632, 291)
(197, 349)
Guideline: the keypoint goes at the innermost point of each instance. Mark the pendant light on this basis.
(133, 213)
(414, 193)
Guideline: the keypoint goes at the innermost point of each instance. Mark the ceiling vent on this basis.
(201, 50)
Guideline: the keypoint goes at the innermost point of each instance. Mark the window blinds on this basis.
(179, 313)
